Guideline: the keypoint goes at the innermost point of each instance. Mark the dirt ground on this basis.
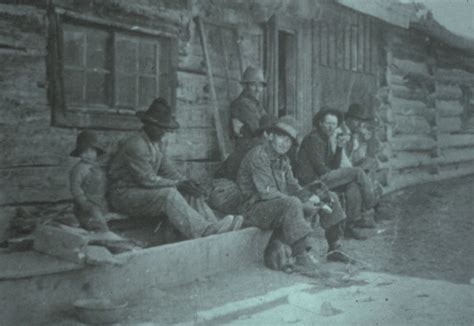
(424, 231)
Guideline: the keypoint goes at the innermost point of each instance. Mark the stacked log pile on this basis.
(425, 109)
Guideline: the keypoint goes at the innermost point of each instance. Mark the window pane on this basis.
(97, 88)
(97, 49)
(74, 42)
(147, 58)
(147, 91)
(74, 86)
(126, 56)
(126, 88)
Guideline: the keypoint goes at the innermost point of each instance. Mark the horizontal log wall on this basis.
(35, 160)
(426, 110)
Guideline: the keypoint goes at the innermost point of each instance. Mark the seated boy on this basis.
(88, 184)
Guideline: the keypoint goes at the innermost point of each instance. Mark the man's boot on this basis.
(351, 233)
(335, 253)
(227, 224)
(305, 263)
(367, 220)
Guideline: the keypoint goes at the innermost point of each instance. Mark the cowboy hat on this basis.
(159, 114)
(359, 112)
(253, 75)
(87, 139)
(287, 125)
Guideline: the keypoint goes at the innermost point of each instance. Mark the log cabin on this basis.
(71, 65)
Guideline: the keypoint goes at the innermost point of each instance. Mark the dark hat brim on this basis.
(319, 116)
(77, 151)
(145, 118)
(358, 117)
(279, 129)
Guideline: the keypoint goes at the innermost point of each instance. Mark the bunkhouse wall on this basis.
(345, 58)
(426, 106)
(35, 163)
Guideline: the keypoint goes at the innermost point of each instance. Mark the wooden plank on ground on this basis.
(400, 181)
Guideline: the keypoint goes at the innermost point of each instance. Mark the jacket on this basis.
(140, 163)
(316, 157)
(265, 175)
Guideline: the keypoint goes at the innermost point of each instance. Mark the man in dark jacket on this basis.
(273, 199)
(143, 182)
(319, 157)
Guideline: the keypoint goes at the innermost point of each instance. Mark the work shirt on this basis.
(140, 163)
(247, 110)
(266, 175)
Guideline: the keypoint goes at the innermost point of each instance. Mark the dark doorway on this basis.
(286, 73)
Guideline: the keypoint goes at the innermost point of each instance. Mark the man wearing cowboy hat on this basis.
(246, 110)
(317, 159)
(273, 199)
(144, 182)
(225, 195)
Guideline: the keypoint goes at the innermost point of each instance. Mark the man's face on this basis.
(255, 89)
(280, 143)
(329, 124)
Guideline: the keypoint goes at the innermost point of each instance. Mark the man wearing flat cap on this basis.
(246, 110)
(144, 182)
(273, 199)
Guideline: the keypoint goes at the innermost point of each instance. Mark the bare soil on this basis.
(424, 231)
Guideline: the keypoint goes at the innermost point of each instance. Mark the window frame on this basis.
(113, 117)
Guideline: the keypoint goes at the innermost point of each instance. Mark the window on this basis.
(105, 72)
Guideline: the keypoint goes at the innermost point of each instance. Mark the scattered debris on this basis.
(63, 242)
(422, 295)
(328, 310)
(78, 245)
(98, 256)
(22, 243)
(99, 311)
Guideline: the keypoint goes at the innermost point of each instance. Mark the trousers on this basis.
(146, 203)
(355, 184)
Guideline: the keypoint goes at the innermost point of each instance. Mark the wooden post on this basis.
(216, 114)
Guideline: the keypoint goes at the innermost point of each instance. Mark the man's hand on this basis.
(314, 199)
(190, 187)
(310, 207)
(342, 139)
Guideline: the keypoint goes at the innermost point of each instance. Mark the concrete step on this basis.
(23, 298)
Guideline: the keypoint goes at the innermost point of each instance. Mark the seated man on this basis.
(363, 146)
(144, 183)
(246, 110)
(273, 199)
(225, 196)
(317, 159)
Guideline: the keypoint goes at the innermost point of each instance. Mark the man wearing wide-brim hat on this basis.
(273, 198)
(246, 110)
(145, 183)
